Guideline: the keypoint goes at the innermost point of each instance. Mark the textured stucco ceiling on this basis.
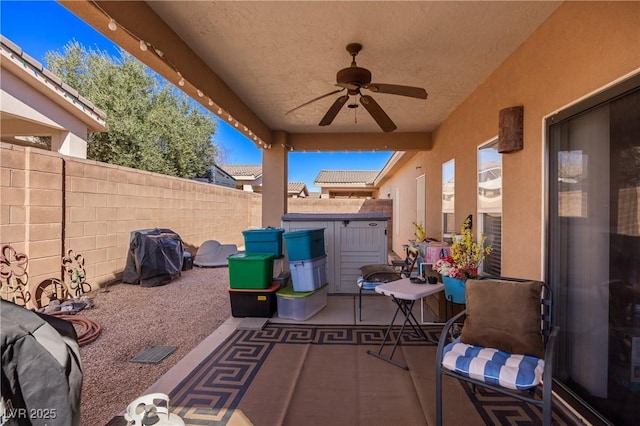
(278, 55)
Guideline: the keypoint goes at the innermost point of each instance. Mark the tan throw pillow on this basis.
(504, 315)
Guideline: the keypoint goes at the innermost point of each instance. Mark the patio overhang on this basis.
(246, 62)
(251, 62)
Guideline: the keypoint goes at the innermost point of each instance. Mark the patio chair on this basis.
(507, 342)
(376, 274)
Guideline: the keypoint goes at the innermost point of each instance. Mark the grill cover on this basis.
(155, 257)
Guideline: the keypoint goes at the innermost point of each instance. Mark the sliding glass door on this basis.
(594, 252)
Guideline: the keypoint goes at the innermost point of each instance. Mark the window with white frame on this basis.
(448, 199)
(490, 204)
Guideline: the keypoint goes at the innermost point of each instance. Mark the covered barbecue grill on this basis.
(155, 257)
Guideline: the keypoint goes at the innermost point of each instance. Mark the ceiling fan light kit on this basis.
(355, 78)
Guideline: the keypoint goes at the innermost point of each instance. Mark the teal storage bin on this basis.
(267, 240)
(250, 270)
(305, 244)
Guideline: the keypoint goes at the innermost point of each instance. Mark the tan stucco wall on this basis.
(582, 48)
(274, 183)
(403, 182)
(104, 203)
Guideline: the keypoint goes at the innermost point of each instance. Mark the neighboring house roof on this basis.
(346, 177)
(243, 171)
(298, 188)
(50, 84)
(215, 175)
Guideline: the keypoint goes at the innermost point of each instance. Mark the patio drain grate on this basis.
(154, 354)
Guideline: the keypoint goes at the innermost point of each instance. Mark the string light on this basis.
(144, 46)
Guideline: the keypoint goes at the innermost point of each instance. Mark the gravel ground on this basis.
(133, 318)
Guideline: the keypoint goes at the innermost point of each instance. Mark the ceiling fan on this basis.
(353, 79)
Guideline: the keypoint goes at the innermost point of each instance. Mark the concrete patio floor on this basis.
(340, 310)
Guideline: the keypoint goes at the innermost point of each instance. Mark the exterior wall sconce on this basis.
(510, 129)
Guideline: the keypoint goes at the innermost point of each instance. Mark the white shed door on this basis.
(358, 243)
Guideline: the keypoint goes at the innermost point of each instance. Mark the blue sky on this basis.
(29, 25)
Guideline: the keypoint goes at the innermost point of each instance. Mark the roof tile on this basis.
(242, 170)
(347, 176)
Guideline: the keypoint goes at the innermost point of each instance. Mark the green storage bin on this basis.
(250, 270)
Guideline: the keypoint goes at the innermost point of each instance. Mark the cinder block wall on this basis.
(50, 203)
(31, 200)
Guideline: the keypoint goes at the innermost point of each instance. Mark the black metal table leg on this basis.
(406, 307)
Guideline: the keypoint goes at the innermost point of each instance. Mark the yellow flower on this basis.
(420, 233)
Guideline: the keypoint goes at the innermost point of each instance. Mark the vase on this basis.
(454, 290)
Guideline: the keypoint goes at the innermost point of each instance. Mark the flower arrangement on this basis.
(466, 256)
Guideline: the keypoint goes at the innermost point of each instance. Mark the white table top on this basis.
(406, 290)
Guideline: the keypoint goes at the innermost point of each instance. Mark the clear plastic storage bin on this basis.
(301, 306)
(308, 275)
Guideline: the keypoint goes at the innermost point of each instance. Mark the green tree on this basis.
(150, 124)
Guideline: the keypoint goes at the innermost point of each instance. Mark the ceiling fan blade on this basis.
(381, 117)
(395, 89)
(333, 110)
(313, 100)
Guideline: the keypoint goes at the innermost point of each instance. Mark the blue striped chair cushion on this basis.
(368, 285)
(518, 372)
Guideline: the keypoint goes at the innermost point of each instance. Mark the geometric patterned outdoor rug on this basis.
(321, 375)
